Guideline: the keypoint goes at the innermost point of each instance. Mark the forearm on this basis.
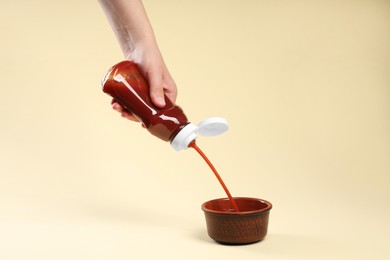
(130, 24)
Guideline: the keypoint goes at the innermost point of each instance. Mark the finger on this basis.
(129, 116)
(169, 86)
(124, 113)
(117, 107)
(156, 90)
(171, 90)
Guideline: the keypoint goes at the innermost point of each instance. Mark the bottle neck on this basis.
(184, 137)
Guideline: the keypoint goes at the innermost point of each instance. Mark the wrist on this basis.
(136, 50)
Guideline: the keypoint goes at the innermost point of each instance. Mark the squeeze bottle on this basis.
(129, 88)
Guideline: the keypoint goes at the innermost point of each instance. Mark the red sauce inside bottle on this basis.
(129, 88)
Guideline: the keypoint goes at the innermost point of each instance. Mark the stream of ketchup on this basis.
(193, 145)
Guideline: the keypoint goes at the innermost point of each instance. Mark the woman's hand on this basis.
(135, 35)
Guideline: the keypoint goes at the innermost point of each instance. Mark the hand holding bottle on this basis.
(154, 70)
(125, 83)
(135, 35)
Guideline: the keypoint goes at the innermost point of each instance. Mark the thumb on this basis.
(156, 90)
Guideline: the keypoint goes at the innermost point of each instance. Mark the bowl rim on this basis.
(266, 209)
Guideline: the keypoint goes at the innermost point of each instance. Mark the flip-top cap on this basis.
(213, 126)
(209, 127)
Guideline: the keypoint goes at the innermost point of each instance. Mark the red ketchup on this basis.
(129, 88)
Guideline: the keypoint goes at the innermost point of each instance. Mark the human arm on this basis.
(130, 23)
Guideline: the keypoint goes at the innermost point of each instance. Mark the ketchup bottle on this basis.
(129, 88)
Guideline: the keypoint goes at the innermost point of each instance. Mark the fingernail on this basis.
(116, 107)
(160, 101)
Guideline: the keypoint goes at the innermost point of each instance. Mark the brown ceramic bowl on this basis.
(227, 226)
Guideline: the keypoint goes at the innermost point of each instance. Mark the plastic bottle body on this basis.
(129, 88)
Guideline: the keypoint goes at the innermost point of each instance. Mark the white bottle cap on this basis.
(209, 127)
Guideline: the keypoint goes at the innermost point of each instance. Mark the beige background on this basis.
(305, 86)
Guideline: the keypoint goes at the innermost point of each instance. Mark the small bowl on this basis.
(227, 226)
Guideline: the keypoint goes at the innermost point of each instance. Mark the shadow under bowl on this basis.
(227, 226)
